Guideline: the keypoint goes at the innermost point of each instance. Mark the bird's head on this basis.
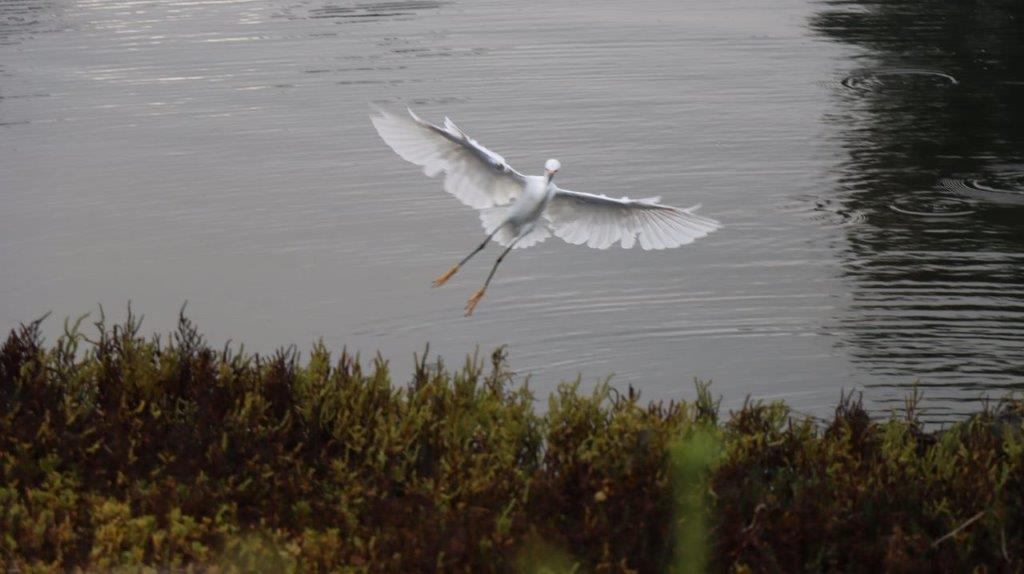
(551, 167)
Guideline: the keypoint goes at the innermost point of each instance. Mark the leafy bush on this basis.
(122, 452)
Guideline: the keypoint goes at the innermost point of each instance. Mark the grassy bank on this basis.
(118, 451)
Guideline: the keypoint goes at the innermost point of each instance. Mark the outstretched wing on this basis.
(600, 221)
(474, 174)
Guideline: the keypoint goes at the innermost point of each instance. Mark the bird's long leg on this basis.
(444, 277)
(471, 303)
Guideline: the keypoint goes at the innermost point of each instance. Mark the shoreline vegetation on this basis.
(125, 452)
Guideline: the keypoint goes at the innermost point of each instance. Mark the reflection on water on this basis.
(933, 128)
(219, 152)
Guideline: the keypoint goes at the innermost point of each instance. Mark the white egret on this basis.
(519, 210)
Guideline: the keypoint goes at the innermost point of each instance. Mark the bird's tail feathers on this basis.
(538, 234)
(494, 218)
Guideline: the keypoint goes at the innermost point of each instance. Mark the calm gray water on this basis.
(865, 158)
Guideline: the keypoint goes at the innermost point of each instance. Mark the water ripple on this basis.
(882, 79)
(1005, 190)
(930, 206)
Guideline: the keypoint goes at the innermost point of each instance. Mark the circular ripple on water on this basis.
(866, 81)
(1005, 189)
(931, 206)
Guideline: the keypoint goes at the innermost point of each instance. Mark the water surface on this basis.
(864, 157)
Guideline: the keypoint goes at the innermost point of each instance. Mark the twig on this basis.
(953, 532)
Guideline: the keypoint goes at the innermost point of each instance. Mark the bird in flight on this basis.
(520, 211)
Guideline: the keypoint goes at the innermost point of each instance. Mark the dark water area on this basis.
(932, 123)
(866, 158)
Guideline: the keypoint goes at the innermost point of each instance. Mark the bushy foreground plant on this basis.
(120, 451)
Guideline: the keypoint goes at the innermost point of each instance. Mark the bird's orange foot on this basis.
(446, 276)
(471, 303)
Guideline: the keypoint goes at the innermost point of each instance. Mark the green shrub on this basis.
(121, 452)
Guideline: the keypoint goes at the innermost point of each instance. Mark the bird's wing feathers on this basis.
(474, 174)
(601, 221)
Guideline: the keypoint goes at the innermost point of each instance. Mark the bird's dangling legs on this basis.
(476, 297)
(441, 280)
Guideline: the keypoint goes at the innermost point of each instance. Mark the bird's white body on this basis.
(537, 192)
(518, 210)
(523, 214)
